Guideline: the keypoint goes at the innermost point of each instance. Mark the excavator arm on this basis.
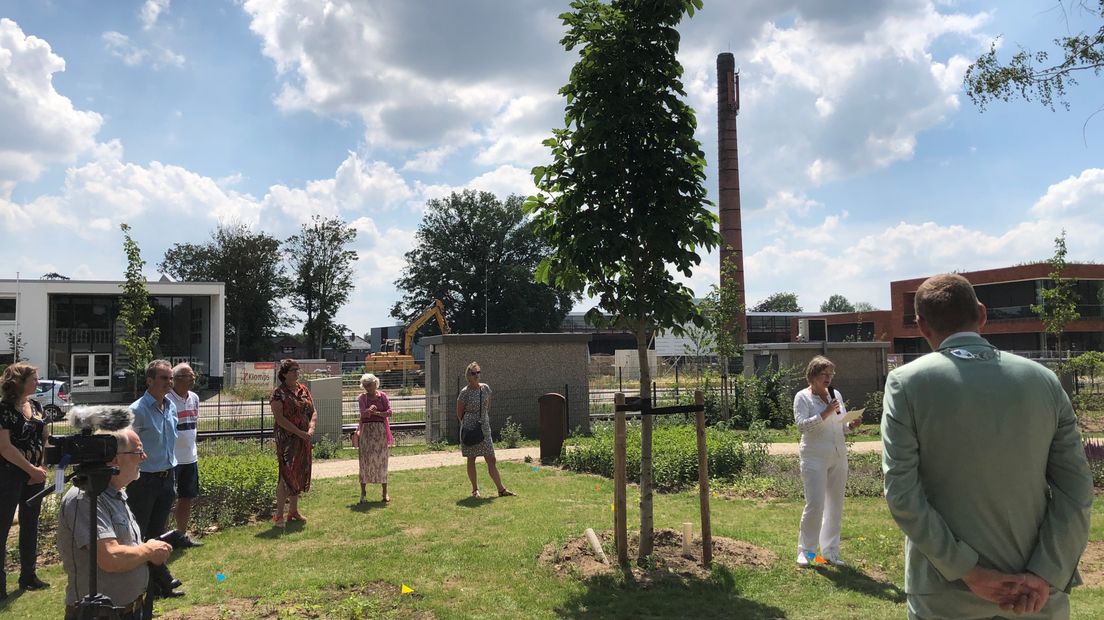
(437, 310)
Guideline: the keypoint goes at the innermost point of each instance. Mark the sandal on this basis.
(295, 516)
(476, 494)
(278, 522)
(504, 492)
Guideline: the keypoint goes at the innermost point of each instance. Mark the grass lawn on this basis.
(478, 558)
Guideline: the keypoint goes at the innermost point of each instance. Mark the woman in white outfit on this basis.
(818, 415)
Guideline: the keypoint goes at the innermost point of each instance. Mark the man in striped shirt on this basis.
(187, 457)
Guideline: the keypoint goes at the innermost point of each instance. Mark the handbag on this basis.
(474, 435)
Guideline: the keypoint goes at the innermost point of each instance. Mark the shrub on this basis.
(674, 454)
(767, 397)
(325, 449)
(235, 485)
(873, 406)
(510, 433)
(250, 392)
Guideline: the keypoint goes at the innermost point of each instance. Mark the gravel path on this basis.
(348, 467)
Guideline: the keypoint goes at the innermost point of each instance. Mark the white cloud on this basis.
(151, 10)
(861, 264)
(120, 46)
(39, 127)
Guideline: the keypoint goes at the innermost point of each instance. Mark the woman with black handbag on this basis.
(472, 409)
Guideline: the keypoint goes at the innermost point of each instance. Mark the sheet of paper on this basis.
(851, 415)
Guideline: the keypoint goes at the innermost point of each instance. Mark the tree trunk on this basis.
(726, 412)
(646, 522)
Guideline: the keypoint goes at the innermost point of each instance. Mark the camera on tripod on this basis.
(81, 449)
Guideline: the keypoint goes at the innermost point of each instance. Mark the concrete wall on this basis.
(518, 367)
(860, 366)
(327, 403)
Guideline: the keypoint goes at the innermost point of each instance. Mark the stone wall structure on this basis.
(519, 368)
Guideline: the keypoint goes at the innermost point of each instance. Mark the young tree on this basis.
(1032, 75)
(256, 280)
(721, 310)
(135, 312)
(778, 302)
(16, 345)
(837, 303)
(622, 204)
(477, 254)
(322, 268)
(1059, 300)
(864, 306)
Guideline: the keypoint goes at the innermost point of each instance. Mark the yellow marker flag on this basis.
(407, 589)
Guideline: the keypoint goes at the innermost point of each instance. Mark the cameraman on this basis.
(121, 572)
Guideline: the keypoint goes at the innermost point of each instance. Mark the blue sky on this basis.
(862, 161)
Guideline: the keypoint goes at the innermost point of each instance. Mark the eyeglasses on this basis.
(138, 452)
(828, 374)
(184, 377)
(474, 372)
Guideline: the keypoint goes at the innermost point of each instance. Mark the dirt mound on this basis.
(576, 557)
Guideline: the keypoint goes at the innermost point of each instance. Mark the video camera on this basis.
(86, 448)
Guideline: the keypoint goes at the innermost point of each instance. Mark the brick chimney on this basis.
(728, 168)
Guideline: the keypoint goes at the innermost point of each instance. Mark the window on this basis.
(7, 308)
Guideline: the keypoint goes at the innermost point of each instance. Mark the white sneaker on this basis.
(802, 559)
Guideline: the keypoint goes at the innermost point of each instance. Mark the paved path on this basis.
(348, 467)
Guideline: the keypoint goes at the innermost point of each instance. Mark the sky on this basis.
(861, 159)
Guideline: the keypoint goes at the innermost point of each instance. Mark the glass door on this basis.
(91, 372)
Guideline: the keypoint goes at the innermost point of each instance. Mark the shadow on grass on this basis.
(857, 581)
(474, 502)
(274, 532)
(607, 596)
(367, 506)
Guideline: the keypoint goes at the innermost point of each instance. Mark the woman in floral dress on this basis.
(473, 409)
(293, 409)
(373, 435)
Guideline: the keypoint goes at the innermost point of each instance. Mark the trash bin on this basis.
(553, 426)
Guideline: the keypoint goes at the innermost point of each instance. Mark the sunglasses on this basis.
(474, 372)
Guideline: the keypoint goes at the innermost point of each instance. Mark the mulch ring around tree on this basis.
(576, 557)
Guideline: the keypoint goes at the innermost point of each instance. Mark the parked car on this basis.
(54, 397)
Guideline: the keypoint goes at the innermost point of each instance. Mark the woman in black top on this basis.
(23, 434)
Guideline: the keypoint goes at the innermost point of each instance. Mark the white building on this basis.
(69, 330)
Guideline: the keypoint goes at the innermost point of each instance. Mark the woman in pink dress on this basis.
(373, 435)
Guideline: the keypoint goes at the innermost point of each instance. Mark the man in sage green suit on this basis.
(984, 471)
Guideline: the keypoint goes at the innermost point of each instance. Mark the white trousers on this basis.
(824, 479)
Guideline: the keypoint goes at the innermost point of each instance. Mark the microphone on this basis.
(100, 417)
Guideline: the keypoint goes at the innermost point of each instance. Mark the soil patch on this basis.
(384, 596)
(1092, 564)
(576, 556)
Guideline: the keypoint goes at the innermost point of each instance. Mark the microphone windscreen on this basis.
(100, 417)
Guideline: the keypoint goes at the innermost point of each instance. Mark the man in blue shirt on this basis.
(151, 496)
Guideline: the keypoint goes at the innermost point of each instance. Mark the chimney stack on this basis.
(728, 168)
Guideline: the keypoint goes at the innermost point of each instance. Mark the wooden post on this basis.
(703, 484)
(620, 531)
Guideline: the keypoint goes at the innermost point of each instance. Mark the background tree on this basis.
(135, 312)
(1059, 300)
(1033, 75)
(53, 275)
(322, 268)
(864, 306)
(778, 302)
(477, 254)
(837, 303)
(622, 203)
(16, 345)
(255, 278)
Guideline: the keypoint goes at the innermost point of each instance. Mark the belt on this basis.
(72, 611)
(157, 474)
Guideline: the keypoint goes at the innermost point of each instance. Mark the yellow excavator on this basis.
(393, 359)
